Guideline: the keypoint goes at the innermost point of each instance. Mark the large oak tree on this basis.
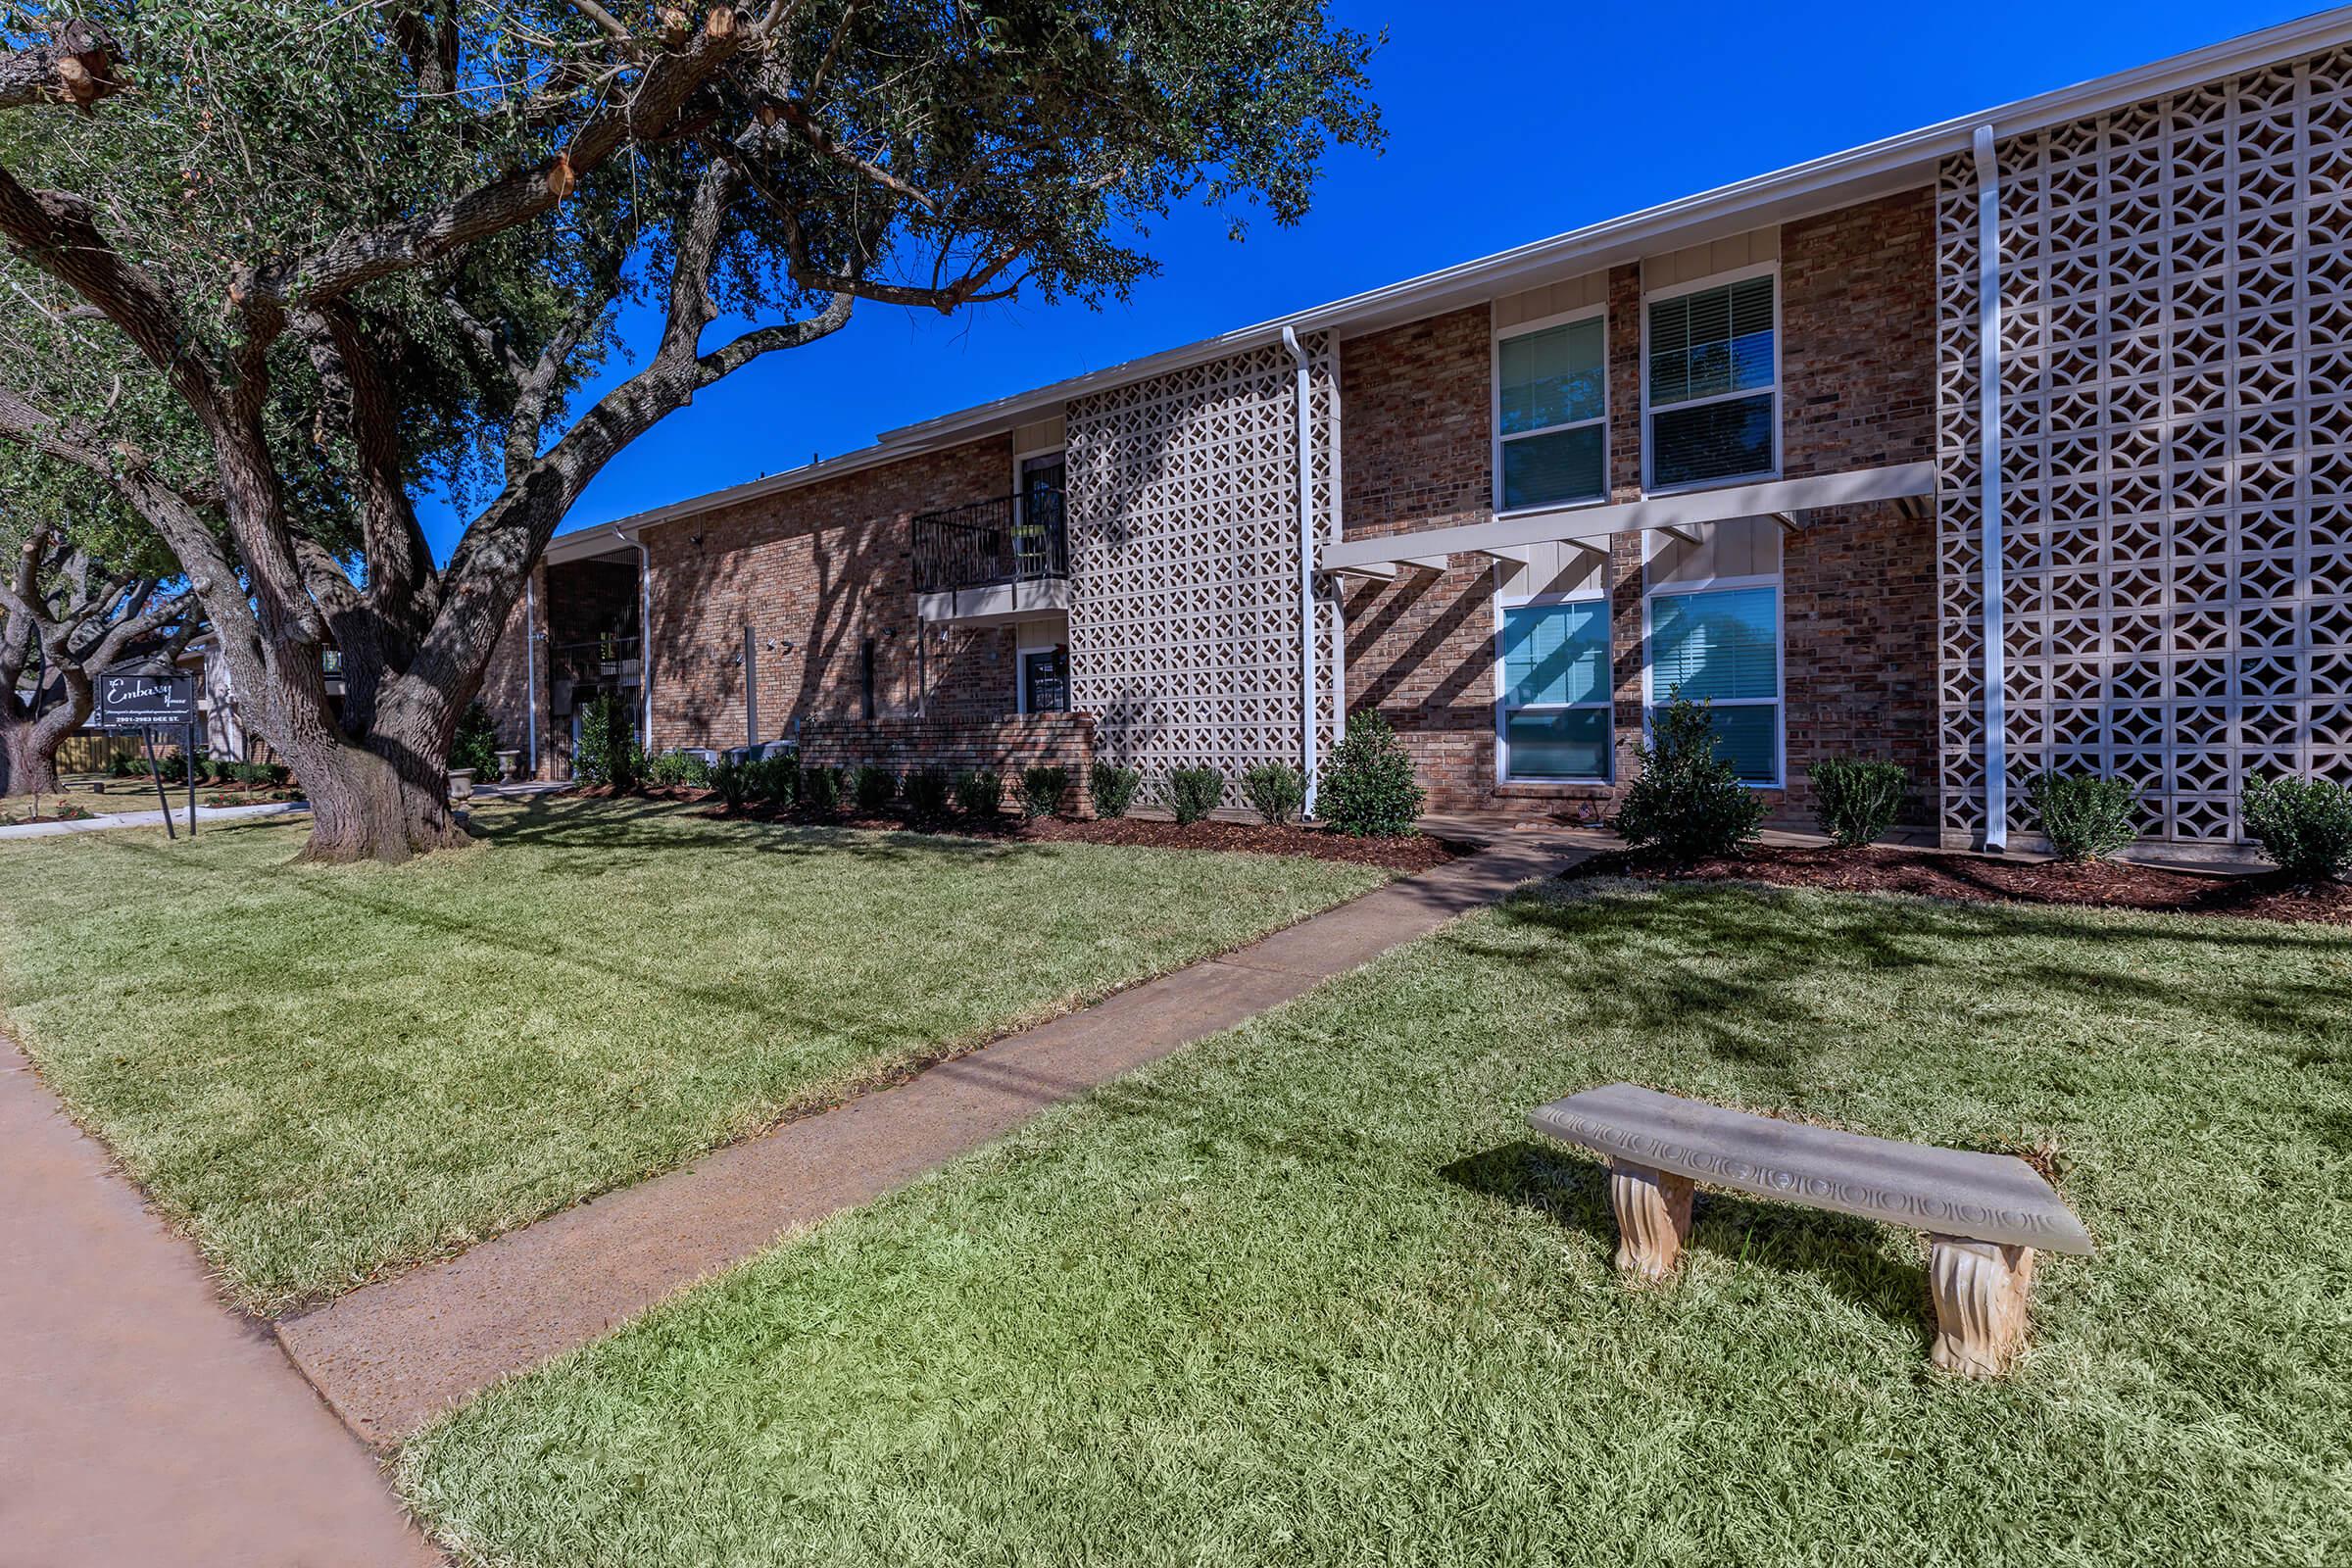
(282, 266)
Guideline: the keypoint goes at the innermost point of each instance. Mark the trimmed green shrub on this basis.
(1114, 788)
(731, 782)
(775, 779)
(475, 743)
(1194, 792)
(676, 769)
(1687, 802)
(873, 787)
(608, 754)
(1042, 789)
(979, 792)
(2305, 824)
(926, 790)
(1855, 802)
(819, 788)
(1275, 791)
(121, 766)
(2084, 816)
(1368, 788)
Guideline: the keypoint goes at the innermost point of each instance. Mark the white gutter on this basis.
(530, 667)
(1306, 564)
(1991, 544)
(645, 635)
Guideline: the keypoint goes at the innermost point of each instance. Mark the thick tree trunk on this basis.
(26, 766)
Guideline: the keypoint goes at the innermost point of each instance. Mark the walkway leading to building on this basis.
(140, 1421)
(393, 1355)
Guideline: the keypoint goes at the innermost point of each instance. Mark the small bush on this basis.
(775, 779)
(1687, 802)
(676, 768)
(873, 787)
(1854, 800)
(2084, 816)
(1042, 789)
(926, 790)
(475, 743)
(2305, 824)
(121, 766)
(1114, 788)
(609, 752)
(979, 792)
(1194, 792)
(1275, 791)
(731, 782)
(1368, 788)
(819, 788)
(172, 767)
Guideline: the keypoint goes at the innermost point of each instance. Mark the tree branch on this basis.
(79, 67)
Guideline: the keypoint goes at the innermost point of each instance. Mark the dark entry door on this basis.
(1046, 680)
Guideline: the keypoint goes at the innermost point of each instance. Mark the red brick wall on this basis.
(1416, 413)
(1858, 391)
(1858, 364)
(817, 573)
(1005, 746)
(505, 681)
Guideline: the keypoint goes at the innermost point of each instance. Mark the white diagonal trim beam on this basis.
(1677, 513)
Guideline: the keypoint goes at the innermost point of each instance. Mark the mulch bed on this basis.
(1405, 855)
(2103, 884)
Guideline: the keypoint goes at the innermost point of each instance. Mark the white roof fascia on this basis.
(1666, 514)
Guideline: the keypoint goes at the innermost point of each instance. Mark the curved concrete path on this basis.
(392, 1355)
(140, 1423)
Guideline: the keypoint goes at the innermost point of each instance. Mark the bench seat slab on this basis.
(1950, 1192)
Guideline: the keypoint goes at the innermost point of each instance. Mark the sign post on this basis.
(146, 703)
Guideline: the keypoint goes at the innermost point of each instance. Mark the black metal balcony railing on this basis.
(599, 659)
(1006, 539)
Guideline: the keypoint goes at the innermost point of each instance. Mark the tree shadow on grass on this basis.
(1845, 1254)
(1760, 939)
(626, 834)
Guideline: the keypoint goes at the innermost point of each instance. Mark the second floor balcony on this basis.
(1000, 560)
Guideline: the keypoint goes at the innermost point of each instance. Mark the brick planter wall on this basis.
(1005, 745)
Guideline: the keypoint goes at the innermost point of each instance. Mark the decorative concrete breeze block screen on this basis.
(2175, 373)
(1183, 516)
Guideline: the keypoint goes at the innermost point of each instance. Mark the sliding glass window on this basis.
(1556, 707)
(1714, 385)
(1551, 416)
(1722, 647)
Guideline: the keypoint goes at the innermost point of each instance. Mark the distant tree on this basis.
(81, 590)
(281, 266)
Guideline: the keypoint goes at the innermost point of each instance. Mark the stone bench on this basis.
(1986, 1215)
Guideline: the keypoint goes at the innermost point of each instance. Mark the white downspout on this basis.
(1991, 542)
(1306, 566)
(530, 668)
(645, 635)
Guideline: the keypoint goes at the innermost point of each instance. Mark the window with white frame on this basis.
(1551, 414)
(1722, 647)
(1713, 379)
(1554, 717)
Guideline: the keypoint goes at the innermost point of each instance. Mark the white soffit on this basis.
(1664, 513)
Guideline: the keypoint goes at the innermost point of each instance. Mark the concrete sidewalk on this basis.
(392, 1355)
(179, 817)
(140, 1423)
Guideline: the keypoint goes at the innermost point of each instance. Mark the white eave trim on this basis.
(1666, 514)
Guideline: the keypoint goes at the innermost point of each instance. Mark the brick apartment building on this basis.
(1736, 446)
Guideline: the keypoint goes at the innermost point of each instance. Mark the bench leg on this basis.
(1654, 1219)
(1981, 1291)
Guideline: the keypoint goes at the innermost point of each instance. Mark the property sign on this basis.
(144, 701)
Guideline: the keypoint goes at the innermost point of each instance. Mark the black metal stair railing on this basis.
(1000, 540)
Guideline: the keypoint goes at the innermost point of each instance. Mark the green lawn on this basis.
(1311, 1293)
(324, 1072)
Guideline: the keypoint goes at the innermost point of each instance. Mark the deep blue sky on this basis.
(1506, 123)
